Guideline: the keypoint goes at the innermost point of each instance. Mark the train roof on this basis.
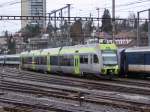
(41, 52)
(52, 51)
(2, 56)
(71, 49)
(13, 55)
(138, 49)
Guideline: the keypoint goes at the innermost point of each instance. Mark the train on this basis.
(80, 60)
(134, 62)
(102, 60)
(10, 60)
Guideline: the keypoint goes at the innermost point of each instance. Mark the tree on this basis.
(135, 23)
(132, 21)
(106, 21)
(87, 28)
(31, 31)
(50, 28)
(145, 26)
(76, 32)
(6, 34)
(11, 45)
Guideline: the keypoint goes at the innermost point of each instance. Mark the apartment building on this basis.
(33, 8)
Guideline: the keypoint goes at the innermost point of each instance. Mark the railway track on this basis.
(118, 80)
(75, 89)
(27, 105)
(71, 93)
(119, 85)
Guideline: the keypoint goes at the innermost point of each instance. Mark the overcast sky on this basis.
(78, 8)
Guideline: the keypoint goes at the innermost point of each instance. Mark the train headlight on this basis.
(103, 70)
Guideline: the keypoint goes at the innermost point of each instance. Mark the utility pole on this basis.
(98, 25)
(149, 27)
(55, 20)
(138, 29)
(69, 12)
(68, 5)
(61, 14)
(49, 18)
(113, 20)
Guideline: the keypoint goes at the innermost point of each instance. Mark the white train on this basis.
(97, 59)
(10, 60)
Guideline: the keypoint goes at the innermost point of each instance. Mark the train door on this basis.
(76, 64)
(33, 62)
(48, 62)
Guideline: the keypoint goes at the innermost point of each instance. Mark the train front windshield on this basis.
(109, 57)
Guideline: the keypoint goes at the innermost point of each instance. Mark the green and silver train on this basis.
(96, 59)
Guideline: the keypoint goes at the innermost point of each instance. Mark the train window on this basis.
(54, 60)
(147, 58)
(84, 59)
(81, 59)
(27, 60)
(24, 60)
(66, 60)
(1, 59)
(71, 61)
(95, 58)
(37, 60)
(16, 59)
(135, 58)
(43, 60)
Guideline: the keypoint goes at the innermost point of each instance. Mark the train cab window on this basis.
(95, 58)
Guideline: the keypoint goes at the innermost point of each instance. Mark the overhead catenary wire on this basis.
(12, 3)
(124, 9)
(128, 4)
